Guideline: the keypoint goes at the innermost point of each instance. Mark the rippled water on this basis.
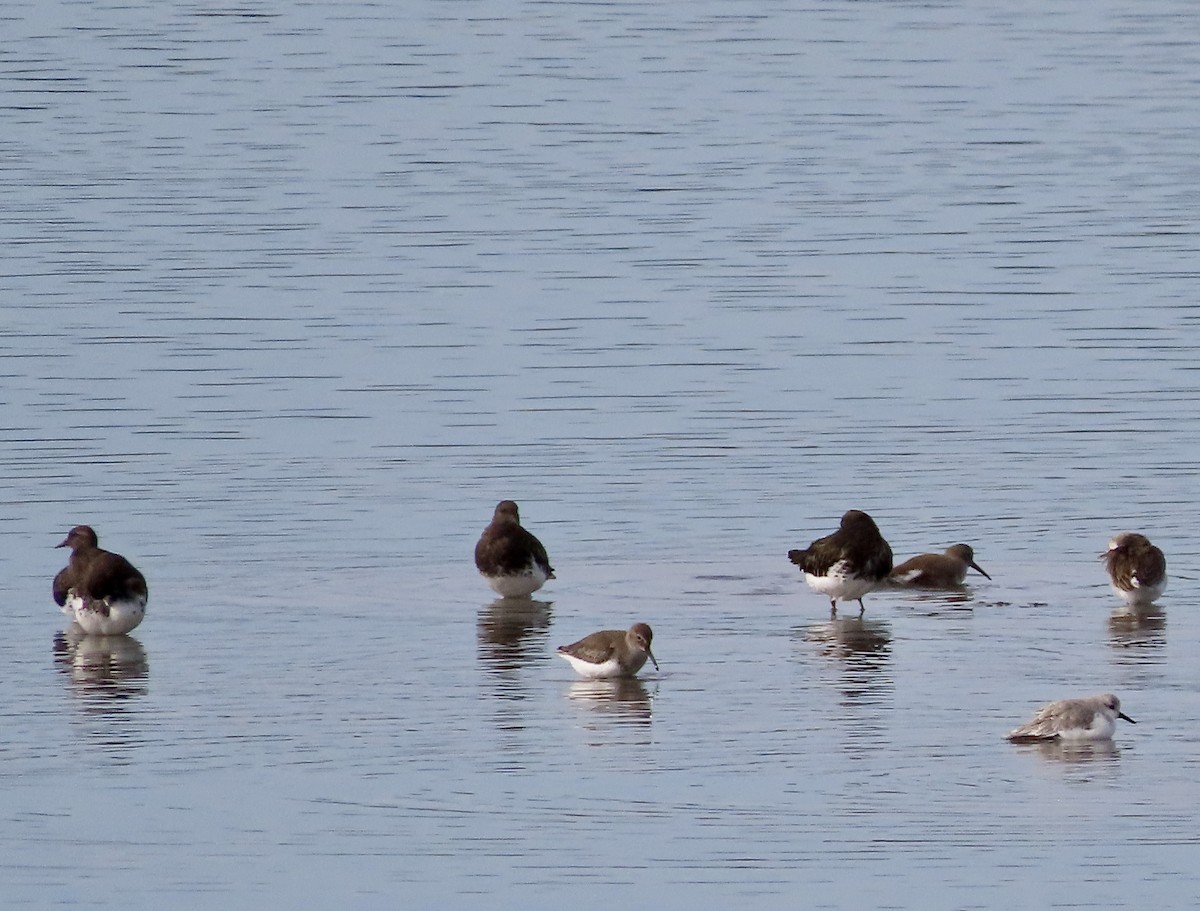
(292, 295)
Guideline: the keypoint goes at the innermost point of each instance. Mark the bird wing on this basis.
(482, 552)
(1051, 720)
(508, 551)
(930, 571)
(595, 649)
(63, 583)
(913, 570)
(1041, 727)
(1151, 568)
(1030, 733)
(111, 575)
(539, 554)
(819, 556)
(876, 562)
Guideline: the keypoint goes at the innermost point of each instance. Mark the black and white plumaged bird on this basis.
(509, 557)
(944, 570)
(99, 590)
(1137, 569)
(847, 564)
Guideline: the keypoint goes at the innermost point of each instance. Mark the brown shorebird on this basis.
(1137, 568)
(509, 557)
(944, 570)
(99, 590)
(611, 652)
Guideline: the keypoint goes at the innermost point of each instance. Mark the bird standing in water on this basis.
(509, 557)
(847, 564)
(944, 570)
(1136, 568)
(611, 652)
(99, 590)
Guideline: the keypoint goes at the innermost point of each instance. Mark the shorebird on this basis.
(847, 564)
(944, 570)
(511, 559)
(99, 590)
(611, 652)
(1137, 568)
(1073, 720)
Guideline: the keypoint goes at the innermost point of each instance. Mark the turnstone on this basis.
(847, 564)
(511, 559)
(1137, 568)
(100, 590)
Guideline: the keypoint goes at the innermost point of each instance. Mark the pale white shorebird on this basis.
(1073, 721)
(1136, 568)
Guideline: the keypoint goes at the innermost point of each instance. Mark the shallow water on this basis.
(293, 295)
(432, 745)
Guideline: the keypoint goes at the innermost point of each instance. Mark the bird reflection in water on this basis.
(1073, 752)
(862, 650)
(1142, 629)
(102, 669)
(959, 598)
(859, 642)
(512, 631)
(623, 697)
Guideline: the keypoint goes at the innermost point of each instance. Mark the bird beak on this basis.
(66, 541)
(1126, 717)
(975, 566)
(652, 658)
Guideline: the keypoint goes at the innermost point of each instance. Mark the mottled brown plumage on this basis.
(944, 570)
(1137, 569)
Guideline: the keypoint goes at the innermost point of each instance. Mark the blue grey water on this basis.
(292, 294)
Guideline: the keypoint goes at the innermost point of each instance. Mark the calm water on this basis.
(292, 295)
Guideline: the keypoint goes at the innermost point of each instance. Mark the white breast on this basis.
(609, 668)
(123, 615)
(519, 585)
(838, 584)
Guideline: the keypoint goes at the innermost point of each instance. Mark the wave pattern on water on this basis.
(293, 296)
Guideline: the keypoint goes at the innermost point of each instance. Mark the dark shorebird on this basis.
(100, 590)
(512, 560)
(1137, 568)
(944, 570)
(611, 652)
(1090, 718)
(847, 564)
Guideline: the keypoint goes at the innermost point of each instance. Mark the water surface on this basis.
(292, 295)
